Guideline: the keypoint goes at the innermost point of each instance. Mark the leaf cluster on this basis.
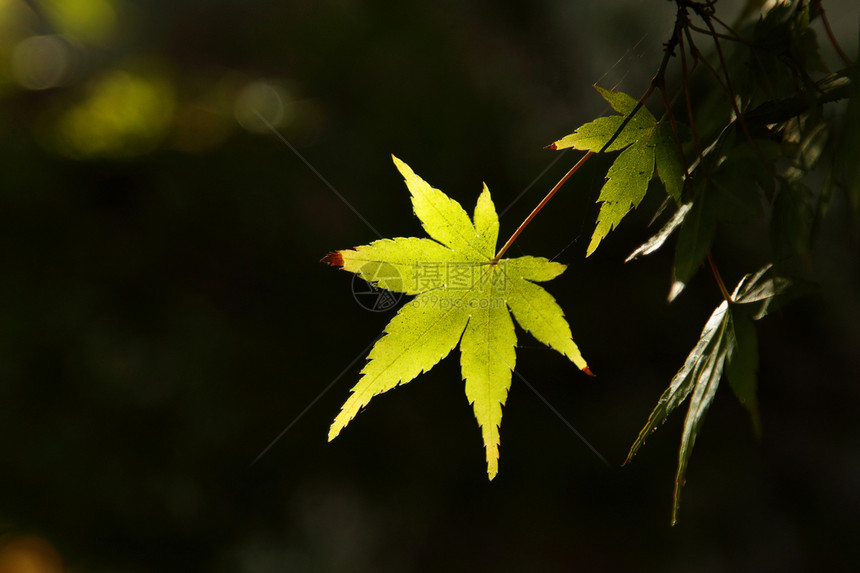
(741, 140)
(728, 344)
(753, 128)
(647, 150)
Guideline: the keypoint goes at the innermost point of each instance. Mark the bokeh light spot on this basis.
(28, 554)
(92, 21)
(125, 115)
(42, 62)
(266, 99)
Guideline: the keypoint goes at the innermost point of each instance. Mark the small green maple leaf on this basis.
(463, 295)
(648, 147)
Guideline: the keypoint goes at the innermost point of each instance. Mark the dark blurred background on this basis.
(164, 314)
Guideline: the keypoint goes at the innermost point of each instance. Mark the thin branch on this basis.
(705, 32)
(686, 81)
(718, 278)
(682, 24)
(730, 30)
(693, 50)
(845, 59)
(567, 176)
(730, 92)
(656, 81)
(540, 206)
(628, 117)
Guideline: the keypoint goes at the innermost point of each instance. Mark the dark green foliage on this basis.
(727, 343)
(758, 105)
(847, 164)
(743, 362)
(791, 220)
(694, 238)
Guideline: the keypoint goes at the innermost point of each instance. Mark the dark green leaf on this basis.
(848, 156)
(752, 162)
(669, 166)
(657, 240)
(806, 140)
(804, 43)
(707, 371)
(699, 379)
(727, 342)
(742, 366)
(694, 241)
(775, 111)
(791, 221)
(761, 288)
(736, 199)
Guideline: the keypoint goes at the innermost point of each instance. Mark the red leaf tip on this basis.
(588, 371)
(334, 259)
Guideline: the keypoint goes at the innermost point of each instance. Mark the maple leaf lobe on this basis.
(334, 259)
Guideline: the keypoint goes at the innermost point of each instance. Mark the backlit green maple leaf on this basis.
(464, 295)
(648, 148)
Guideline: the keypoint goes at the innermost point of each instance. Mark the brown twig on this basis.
(656, 81)
(693, 50)
(718, 278)
(689, 103)
(731, 30)
(730, 93)
(845, 59)
(705, 32)
(567, 176)
(540, 206)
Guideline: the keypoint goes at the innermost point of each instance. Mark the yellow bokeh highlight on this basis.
(91, 21)
(125, 115)
(9, 14)
(14, 27)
